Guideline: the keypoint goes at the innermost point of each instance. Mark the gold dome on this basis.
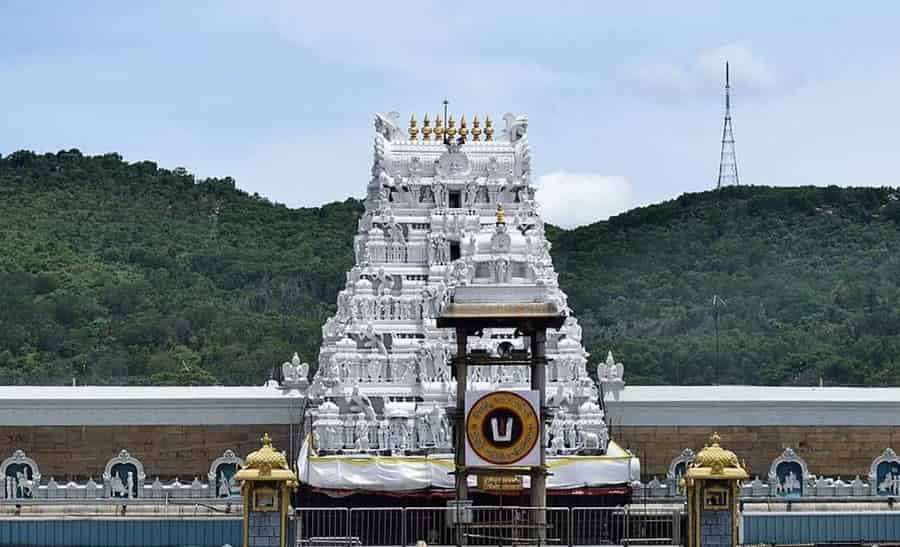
(266, 458)
(715, 457)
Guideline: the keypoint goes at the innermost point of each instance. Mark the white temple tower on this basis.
(447, 205)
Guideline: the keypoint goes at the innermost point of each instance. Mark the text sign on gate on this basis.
(503, 428)
(500, 483)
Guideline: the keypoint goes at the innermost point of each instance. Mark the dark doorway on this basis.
(454, 201)
(454, 250)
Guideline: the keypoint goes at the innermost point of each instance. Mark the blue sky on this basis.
(623, 98)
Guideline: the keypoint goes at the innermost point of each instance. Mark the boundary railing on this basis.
(485, 526)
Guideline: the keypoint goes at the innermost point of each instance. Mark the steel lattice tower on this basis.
(728, 171)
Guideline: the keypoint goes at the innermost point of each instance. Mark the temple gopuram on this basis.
(448, 205)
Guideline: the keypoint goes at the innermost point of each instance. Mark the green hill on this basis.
(113, 272)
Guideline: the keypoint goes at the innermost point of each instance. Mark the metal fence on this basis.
(486, 526)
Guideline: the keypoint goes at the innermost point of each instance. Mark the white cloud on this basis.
(751, 75)
(574, 199)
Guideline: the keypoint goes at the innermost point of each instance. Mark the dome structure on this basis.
(266, 458)
(716, 462)
(267, 464)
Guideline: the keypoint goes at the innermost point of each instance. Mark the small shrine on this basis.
(266, 484)
(713, 486)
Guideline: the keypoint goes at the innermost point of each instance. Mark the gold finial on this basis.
(426, 128)
(488, 129)
(451, 127)
(413, 129)
(463, 129)
(438, 128)
(501, 215)
(266, 440)
(714, 439)
(476, 129)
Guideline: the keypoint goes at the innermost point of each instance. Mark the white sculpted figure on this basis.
(437, 423)
(395, 231)
(384, 281)
(294, 371)
(432, 298)
(440, 194)
(501, 269)
(384, 435)
(471, 195)
(557, 434)
(361, 444)
(361, 402)
(224, 487)
(890, 484)
(516, 126)
(373, 340)
(117, 487)
(789, 484)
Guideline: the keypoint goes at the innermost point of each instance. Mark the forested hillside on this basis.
(118, 273)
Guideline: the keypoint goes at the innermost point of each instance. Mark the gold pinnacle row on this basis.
(439, 130)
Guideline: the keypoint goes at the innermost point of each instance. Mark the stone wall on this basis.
(832, 451)
(170, 451)
(186, 451)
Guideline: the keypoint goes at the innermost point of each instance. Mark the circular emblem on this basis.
(502, 427)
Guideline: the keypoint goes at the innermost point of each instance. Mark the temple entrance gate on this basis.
(500, 433)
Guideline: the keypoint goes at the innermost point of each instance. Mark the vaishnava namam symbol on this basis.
(502, 433)
(502, 428)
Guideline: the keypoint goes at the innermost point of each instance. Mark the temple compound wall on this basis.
(838, 431)
(178, 432)
(834, 451)
(167, 451)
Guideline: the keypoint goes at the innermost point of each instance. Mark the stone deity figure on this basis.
(384, 435)
(373, 368)
(569, 432)
(789, 484)
(117, 487)
(361, 402)
(437, 423)
(471, 195)
(572, 329)
(372, 339)
(422, 439)
(500, 241)
(557, 435)
(395, 231)
(224, 487)
(431, 298)
(890, 484)
(426, 195)
(501, 270)
(361, 443)
(384, 282)
(424, 363)
(440, 194)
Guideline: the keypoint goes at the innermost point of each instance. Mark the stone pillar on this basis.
(266, 484)
(713, 486)
(459, 366)
(539, 383)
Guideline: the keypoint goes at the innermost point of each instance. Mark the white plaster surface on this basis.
(754, 405)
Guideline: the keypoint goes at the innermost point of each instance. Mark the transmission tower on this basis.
(728, 172)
